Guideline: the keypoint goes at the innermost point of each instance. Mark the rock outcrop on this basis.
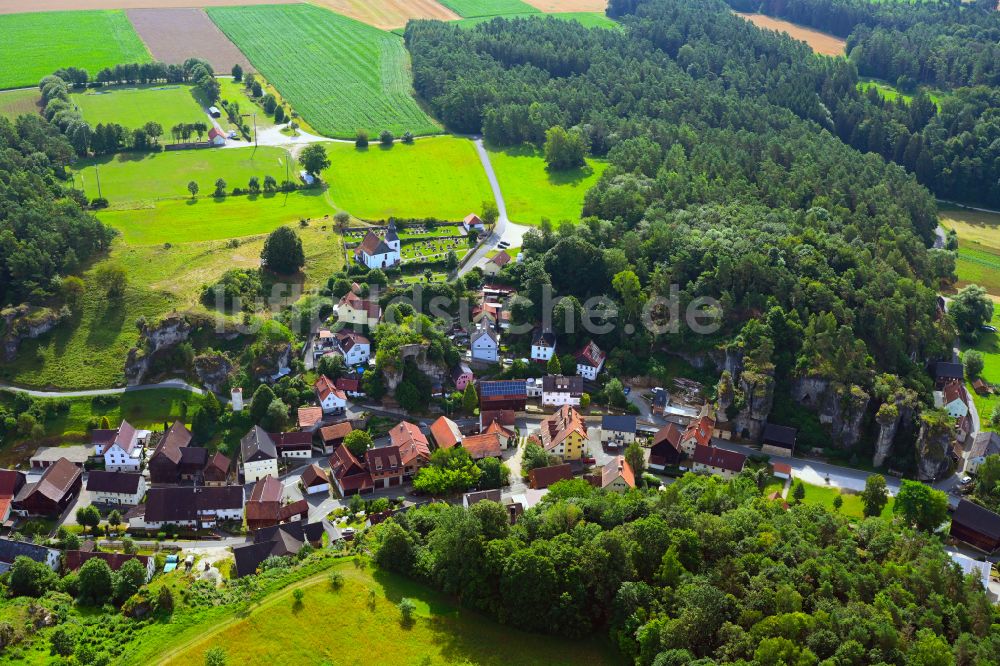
(934, 445)
(213, 370)
(153, 339)
(417, 354)
(27, 323)
(839, 406)
(894, 413)
(274, 361)
(757, 391)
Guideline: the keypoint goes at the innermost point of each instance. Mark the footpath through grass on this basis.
(134, 106)
(37, 44)
(341, 75)
(531, 192)
(433, 177)
(350, 625)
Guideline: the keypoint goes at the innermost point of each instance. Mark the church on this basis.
(375, 252)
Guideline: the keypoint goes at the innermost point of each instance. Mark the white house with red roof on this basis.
(352, 309)
(121, 448)
(331, 399)
(375, 252)
(589, 361)
(216, 137)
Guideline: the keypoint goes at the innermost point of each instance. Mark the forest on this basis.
(45, 235)
(702, 572)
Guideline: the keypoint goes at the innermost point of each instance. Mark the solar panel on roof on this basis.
(503, 387)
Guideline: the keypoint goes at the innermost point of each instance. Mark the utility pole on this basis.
(98, 174)
(254, 114)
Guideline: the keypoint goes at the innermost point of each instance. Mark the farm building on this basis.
(216, 137)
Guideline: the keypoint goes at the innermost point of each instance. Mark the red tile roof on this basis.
(482, 446)
(324, 387)
(670, 434)
(411, 442)
(445, 432)
(335, 432)
(314, 475)
(721, 458)
(616, 467)
(591, 355)
(310, 416)
(349, 473)
(501, 258)
(556, 428)
(75, 558)
(700, 430)
(355, 302)
(348, 385)
(372, 245)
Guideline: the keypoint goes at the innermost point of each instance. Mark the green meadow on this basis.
(35, 45)
(531, 192)
(469, 8)
(133, 107)
(13, 103)
(433, 177)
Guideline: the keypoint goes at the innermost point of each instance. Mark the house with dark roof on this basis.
(116, 488)
(945, 372)
(296, 444)
(558, 390)
(74, 559)
(375, 252)
(350, 385)
(354, 347)
(188, 506)
(976, 526)
(348, 474)
(11, 549)
(503, 394)
(616, 476)
(778, 440)
(589, 361)
(445, 433)
(712, 460)
(332, 436)
(470, 499)
(462, 375)
(217, 470)
(618, 430)
(385, 466)
(660, 400)
(543, 477)
(259, 455)
(120, 448)
(57, 489)
(543, 345)
(666, 448)
(278, 541)
(985, 444)
(165, 463)
(266, 509)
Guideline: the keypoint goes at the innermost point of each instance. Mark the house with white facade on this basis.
(354, 347)
(118, 488)
(484, 345)
(190, 506)
(589, 361)
(954, 400)
(11, 549)
(618, 430)
(543, 345)
(985, 444)
(558, 390)
(259, 456)
(352, 309)
(121, 448)
(331, 399)
(375, 252)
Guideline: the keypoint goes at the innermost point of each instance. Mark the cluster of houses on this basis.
(70, 560)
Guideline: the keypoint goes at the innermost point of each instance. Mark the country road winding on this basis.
(168, 384)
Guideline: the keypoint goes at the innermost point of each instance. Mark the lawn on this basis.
(35, 45)
(978, 245)
(824, 496)
(531, 192)
(978, 264)
(434, 177)
(339, 74)
(14, 103)
(130, 178)
(133, 107)
(208, 218)
(989, 346)
(468, 8)
(348, 626)
(972, 225)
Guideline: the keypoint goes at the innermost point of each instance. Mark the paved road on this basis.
(168, 384)
(505, 230)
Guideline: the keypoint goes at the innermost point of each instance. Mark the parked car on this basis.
(991, 329)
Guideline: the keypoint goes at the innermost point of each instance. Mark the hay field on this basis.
(389, 14)
(820, 42)
(560, 6)
(174, 35)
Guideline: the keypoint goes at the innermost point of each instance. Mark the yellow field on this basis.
(389, 14)
(820, 42)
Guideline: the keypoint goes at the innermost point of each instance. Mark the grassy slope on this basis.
(15, 102)
(532, 193)
(340, 74)
(355, 630)
(135, 106)
(128, 178)
(989, 346)
(469, 8)
(35, 45)
(435, 177)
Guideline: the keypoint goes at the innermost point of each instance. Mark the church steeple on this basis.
(391, 237)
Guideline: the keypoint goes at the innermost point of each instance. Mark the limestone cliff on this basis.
(898, 410)
(168, 332)
(27, 323)
(756, 397)
(417, 353)
(214, 371)
(934, 444)
(839, 406)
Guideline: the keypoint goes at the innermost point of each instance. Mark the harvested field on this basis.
(174, 35)
(389, 14)
(18, 7)
(820, 42)
(559, 6)
(13, 103)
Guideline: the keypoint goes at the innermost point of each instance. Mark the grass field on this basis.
(978, 264)
(130, 178)
(824, 496)
(37, 44)
(978, 246)
(13, 103)
(339, 74)
(388, 14)
(989, 346)
(357, 628)
(207, 218)
(889, 92)
(531, 192)
(435, 177)
(820, 42)
(556, 6)
(134, 107)
(469, 8)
